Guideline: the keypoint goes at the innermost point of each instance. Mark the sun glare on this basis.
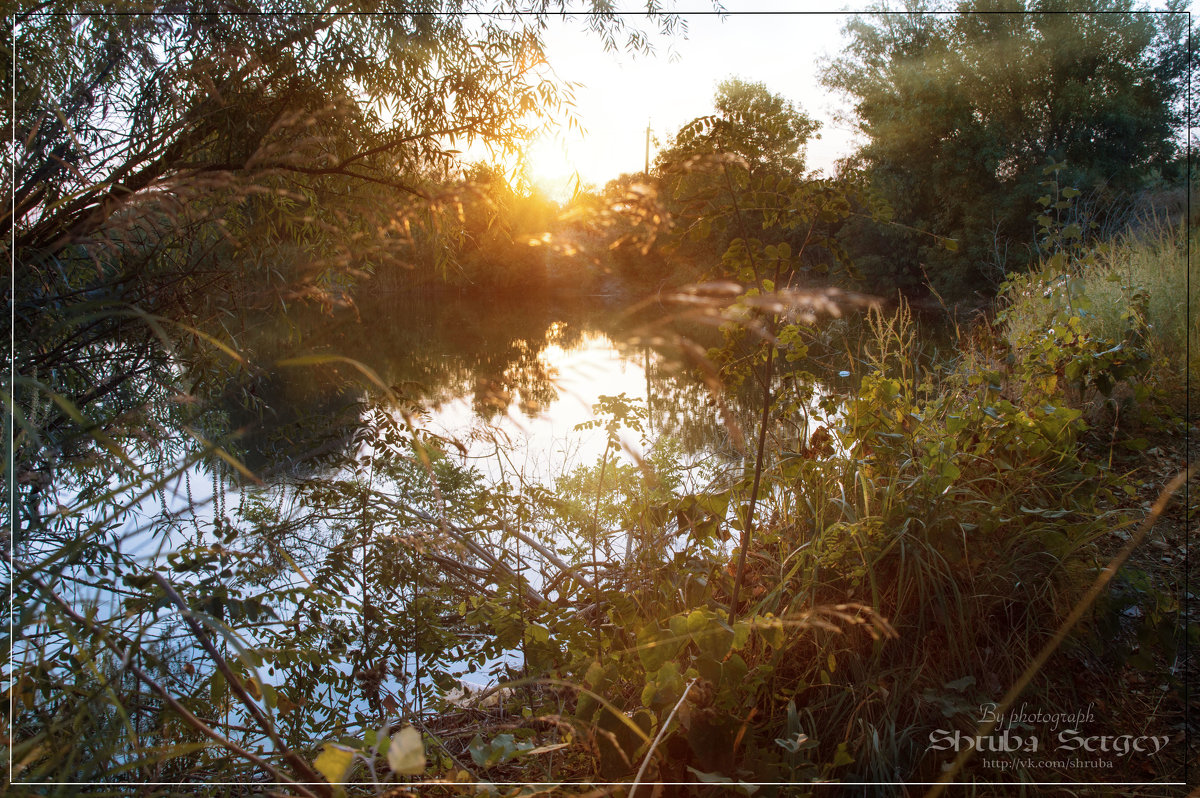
(552, 163)
(616, 96)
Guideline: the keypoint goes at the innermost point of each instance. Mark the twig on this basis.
(170, 700)
(658, 738)
(234, 682)
(463, 538)
(1084, 604)
(554, 560)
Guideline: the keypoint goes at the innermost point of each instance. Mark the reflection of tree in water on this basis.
(518, 375)
(684, 408)
(431, 347)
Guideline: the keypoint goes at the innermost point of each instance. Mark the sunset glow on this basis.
(618, 95)
(600, 395)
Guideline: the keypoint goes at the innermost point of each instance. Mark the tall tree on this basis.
(753, 142)
(764, 129)
(963, 110)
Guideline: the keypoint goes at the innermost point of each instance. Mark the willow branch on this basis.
(234, 682)
(166, 696)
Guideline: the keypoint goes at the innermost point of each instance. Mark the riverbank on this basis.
(979, 498)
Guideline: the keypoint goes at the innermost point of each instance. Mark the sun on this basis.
(551, 165)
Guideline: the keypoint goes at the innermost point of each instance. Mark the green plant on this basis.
(960, 110)
(1115, 316)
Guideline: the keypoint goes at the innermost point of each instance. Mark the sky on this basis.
(767, 41)
(620, 93)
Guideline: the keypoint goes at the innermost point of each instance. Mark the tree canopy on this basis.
(754, 142)
(962, 111)
(185, 160)
(755, 124)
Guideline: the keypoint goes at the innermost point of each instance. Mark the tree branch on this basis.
(170, 700)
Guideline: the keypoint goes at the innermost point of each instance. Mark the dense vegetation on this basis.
(888, 534)
(963, 111)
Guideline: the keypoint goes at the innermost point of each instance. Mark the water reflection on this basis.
(514, 372)
(530, 364)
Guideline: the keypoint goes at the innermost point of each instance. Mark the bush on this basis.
(1118, 308)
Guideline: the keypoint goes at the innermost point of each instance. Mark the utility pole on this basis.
(647, 173)
(646, 352)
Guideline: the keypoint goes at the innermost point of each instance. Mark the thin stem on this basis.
(596, 540)
(233, 681)
(658, 738)
(170, 700)
(758, 467)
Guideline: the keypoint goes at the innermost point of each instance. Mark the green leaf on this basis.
(771, 629)
(958, 685)
(709, 669)
(535, 633)
(734, 669)
(595, 676)
(679, 626)
(715, 640)
(406, 752)
(216, 687)
(741, 635)
(663, 686)
(842, 756)
(652, 651)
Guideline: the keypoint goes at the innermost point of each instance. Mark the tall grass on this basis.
(957, 505)
(963, 517)
(1138, 285)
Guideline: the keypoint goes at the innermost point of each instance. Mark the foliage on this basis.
(762, 128)
(491, 237)
(961, 110)
(177, 167)
(753, 143)
(1127, 294)
(953, 504)
(503, 233)
(905, 537)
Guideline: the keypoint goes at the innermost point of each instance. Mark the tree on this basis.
(963, 111)
(754, 142)
(496, 230)
(176, 163)
(173, 165)
(751, 122)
